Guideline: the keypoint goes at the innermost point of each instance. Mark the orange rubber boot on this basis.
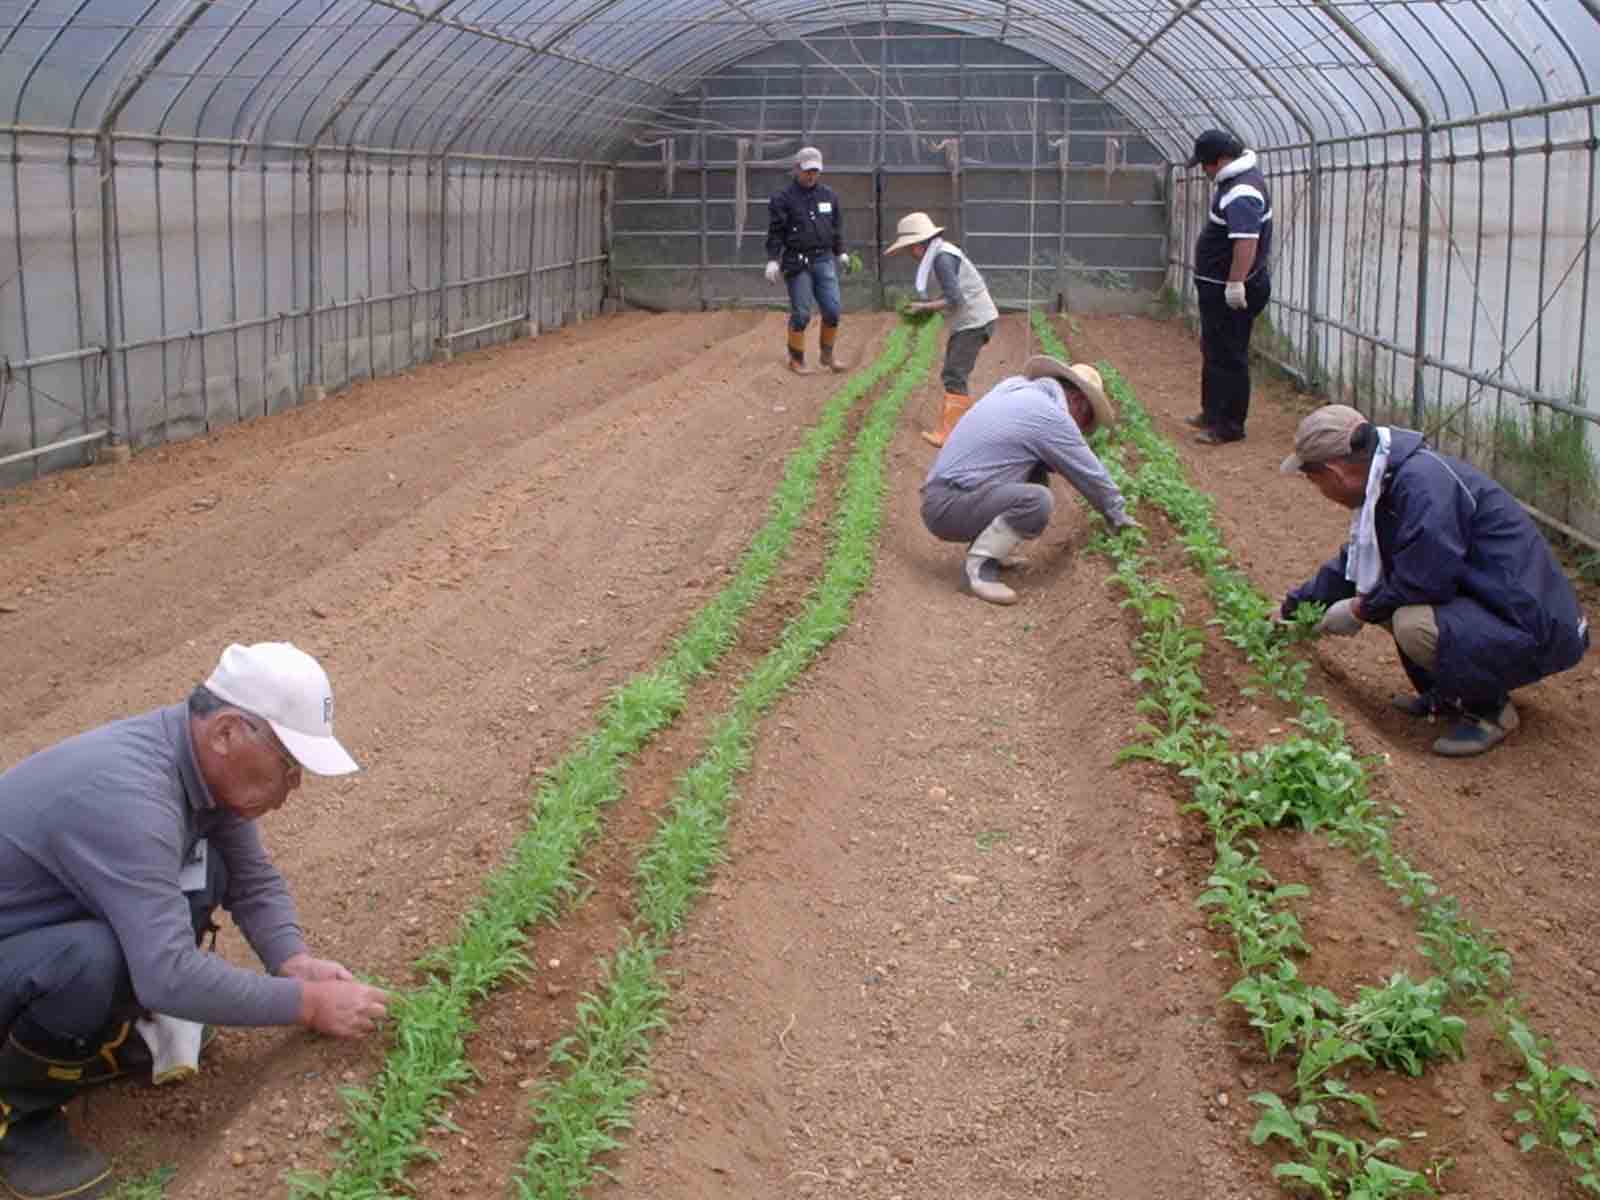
(955, 406)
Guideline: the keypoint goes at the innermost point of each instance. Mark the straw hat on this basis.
(913, 228)
(1081, 376)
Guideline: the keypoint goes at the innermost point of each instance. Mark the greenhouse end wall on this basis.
(1050, 190)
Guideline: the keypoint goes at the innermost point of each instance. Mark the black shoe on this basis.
(1197, 421)
(1428, 704)
(1215, 437)
(41, 1160)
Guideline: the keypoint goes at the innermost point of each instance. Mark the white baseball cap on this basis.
(288, 689)
(809, 159)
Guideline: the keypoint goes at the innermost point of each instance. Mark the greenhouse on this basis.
(220, 209)
(831, 702)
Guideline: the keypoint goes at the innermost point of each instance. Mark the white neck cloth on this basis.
(1363, 564)
(925, 267)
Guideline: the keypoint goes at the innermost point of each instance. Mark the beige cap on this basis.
(1323, 436)
(913, 229)
(1081, 376)
(809, 159)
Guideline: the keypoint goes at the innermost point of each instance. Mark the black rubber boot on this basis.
(41, 1160)
(39, 1157)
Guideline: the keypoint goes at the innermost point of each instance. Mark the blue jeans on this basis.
(818, 284)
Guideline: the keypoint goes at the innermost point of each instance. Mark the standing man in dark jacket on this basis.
(1446, 560)
(805, 245)
(1232, 280)
(115, 846)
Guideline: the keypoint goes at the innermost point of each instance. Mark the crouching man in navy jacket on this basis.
(1446, 560)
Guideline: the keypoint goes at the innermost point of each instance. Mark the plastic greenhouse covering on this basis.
(219, 207)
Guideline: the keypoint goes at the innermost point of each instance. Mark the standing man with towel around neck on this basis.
(973, 312)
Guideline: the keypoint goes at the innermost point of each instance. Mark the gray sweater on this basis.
(1018, 425)
(97, 827)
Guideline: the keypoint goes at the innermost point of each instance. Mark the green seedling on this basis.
(1403, 1024)
(1337, 1166)
(1555, 1114)
(152, 1185)
(853, 264)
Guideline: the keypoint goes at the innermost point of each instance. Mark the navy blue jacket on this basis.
(802, 223)
(1453, 538)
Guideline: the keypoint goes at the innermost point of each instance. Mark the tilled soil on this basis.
(954, 951)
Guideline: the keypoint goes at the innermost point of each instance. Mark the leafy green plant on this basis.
(1403, 1024)
(152, 1185)
(1554, 1112)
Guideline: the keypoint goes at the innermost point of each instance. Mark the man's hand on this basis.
(1127, 522)
(342, 1008)
(1341, 620)
(773, 271)
(1233, 293)
(312, 970)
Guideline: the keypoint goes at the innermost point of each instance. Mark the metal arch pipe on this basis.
(1424, 217)
(466, 121)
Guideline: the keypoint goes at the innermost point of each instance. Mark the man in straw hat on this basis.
(116, 846)
(805, 248)
(973, 317)
(1448, 562)
(989, 485)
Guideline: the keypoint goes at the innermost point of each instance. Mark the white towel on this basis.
(925, 267)
(1364, 564)
(174, 1045)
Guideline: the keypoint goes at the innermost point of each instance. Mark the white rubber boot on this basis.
(984, 557)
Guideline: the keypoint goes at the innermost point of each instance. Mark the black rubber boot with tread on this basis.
(41, 1160)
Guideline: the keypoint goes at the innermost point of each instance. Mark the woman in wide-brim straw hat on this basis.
(966, 296)
(990, 483)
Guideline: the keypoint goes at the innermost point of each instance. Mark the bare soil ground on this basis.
(954, 952)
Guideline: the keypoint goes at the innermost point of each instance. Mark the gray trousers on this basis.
(961, 355)
(71, 980)
(954, 515)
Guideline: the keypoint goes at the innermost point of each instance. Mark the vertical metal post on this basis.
(958, 183)
(1061, 184)
(577, 237)
(1314, 265)
(705, 194)
(121, 431)
(535, 288)
(199, 286)
(441, 338)
(313, 268)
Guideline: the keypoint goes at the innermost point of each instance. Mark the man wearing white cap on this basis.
(990, 484)
(805, 247)
(972, 311)
(115, 846)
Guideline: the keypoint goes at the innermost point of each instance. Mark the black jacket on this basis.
(803, 222)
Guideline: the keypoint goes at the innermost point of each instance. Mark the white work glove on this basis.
(174, 1046)
(1233, 293)
(1341, 620)
(773, 271)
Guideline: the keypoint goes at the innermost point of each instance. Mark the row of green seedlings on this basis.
(602, 1065)
(1313, 780)
(427, 1063)
(1323, 1034)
